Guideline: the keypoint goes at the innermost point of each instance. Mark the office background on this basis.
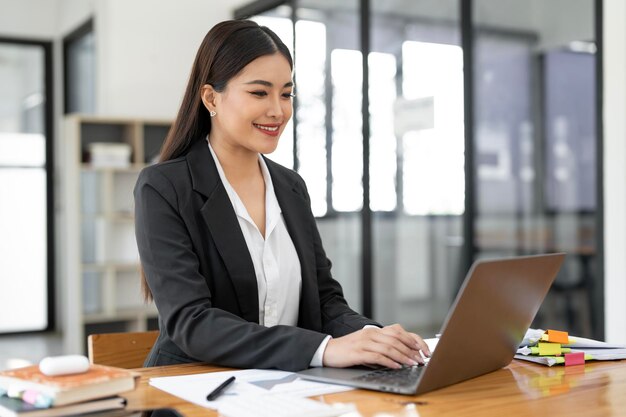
(533, 162)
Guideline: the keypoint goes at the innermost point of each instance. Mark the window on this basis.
(429, 120)
(80, 70)
(26, 218)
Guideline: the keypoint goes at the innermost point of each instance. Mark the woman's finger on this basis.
(374, 358)
(405, 337)
(421, 344)
(398, 351)
(408, 351)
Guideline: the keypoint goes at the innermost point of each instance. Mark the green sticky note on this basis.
(549, 349)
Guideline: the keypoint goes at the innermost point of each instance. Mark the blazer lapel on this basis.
(221, 220)
(296, 212)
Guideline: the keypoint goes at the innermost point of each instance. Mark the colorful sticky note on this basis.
(549, 349)
(30, 396)
(576, 358)
(556, 336)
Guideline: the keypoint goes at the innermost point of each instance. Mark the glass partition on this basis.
(416, 159)
(532, 163)
(328, 124)
(535, 141)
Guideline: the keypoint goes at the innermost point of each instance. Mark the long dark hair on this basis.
(226, 49)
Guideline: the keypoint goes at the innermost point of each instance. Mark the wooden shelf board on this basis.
(121, 315)
(101, 267)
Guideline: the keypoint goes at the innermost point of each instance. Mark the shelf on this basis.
(121, 315)
(110, 217)
(131, 169)
(102, 267)
(102, 272)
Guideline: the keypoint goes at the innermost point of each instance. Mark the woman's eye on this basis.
(258, 93)
(289, 95)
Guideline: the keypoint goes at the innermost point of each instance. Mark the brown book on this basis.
(14, 407)
(98, 382)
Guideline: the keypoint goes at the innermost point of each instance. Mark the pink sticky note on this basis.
(30, 396)
(576, 358)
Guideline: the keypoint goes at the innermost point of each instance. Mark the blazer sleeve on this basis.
(184, 300)
(338, 319)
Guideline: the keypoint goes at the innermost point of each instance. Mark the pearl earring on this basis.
(212, 113)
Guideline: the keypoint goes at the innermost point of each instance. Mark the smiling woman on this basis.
(228, 243)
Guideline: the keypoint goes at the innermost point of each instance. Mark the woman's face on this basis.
(255, 106)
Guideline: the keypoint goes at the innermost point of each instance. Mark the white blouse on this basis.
(275, 260)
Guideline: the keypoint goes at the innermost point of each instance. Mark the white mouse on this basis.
(64, 365)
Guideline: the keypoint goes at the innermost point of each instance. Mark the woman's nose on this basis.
(275, 107)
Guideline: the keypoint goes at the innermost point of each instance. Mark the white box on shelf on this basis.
(110, 154)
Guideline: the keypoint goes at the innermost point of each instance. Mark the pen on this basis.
(217, 391)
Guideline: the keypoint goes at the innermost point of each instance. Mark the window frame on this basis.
(47, 47)
(77, 34)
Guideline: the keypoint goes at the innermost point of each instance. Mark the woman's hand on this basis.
(391, 346)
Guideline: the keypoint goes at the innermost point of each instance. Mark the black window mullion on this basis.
(597, 289)
(328, 122)
(294, 18)
(49, 131)
(366, 213)
(467, 43)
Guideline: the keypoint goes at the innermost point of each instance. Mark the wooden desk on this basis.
(520, 389)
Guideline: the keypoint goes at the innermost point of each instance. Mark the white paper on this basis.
(534, 335)
(279, 405)
(544, 360)
(604, 354)
(249, 382)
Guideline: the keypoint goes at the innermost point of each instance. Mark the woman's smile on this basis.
(269, 129)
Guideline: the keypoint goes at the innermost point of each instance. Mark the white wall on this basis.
(73, 13)
(33, 19)
(615, 170)
(145, 50)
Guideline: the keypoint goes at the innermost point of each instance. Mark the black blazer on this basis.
(202, 278)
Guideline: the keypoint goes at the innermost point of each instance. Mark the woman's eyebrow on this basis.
(269, 84)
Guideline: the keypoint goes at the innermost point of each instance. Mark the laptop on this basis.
(489, 318)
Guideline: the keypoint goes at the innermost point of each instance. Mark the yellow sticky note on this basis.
(556, 336)
(549, 349)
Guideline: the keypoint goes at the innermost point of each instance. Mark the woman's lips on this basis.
(271, 130)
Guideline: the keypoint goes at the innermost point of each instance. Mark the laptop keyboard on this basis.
(392, 377)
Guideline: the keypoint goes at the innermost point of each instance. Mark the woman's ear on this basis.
(209, 97)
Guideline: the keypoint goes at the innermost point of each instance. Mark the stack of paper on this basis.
(553, 347)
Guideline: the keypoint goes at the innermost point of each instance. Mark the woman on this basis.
(229, 247)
